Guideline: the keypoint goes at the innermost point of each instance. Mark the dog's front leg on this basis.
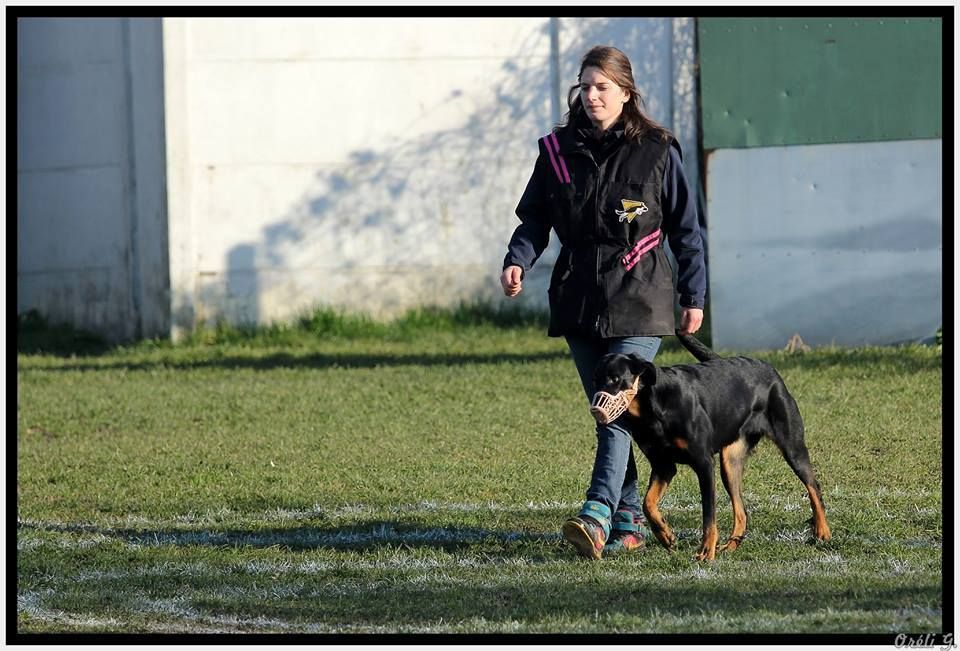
(660, 476)
(708, 500)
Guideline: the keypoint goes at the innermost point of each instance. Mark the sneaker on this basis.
(627, 535)
(588, 531)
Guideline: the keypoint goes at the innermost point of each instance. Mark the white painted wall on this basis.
(805, 238)
(183, 170)
(91, 233)
(372, 165)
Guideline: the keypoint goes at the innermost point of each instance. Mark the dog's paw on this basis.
(732, 544)
(706, 554)
(666, 538)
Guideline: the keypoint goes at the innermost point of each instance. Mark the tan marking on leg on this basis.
(821, 530)
(708, 549)
(651, 509)
(732, 459)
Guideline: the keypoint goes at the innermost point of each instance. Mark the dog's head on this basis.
(617, 380)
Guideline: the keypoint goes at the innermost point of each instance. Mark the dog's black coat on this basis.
(689, 413)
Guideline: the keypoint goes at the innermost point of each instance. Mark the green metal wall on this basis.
(787, 81)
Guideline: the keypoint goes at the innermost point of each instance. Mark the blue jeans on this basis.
(614, 479)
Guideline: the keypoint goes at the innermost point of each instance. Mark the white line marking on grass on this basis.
(179, 614)
(31, 602)
(145, 532)
(301, 539)
(305, 538)
(348, 510)
(227, 516)
(165, 569)
(508, 569)
(285, 585)
(187, 619)
(795, 501)
(434, 571)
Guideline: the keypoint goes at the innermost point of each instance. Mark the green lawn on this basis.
(416, 482)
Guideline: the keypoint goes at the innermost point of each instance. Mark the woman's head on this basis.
(606, 91)
(601, 97)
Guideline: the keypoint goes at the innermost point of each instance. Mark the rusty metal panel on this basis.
(785, 81)
(841, 244)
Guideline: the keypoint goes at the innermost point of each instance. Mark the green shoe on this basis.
(627, 535)
(588, 531)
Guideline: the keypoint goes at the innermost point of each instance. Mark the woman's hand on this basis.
(510, 280)
(691, 318)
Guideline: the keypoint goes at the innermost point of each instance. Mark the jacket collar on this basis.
(582, 136)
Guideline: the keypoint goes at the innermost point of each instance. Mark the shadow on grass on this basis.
(317, 360)
(579, 598)
(416, 595)
(366, 536)
(898, 361)
(909, 359)
(540, 587)
(36, 335)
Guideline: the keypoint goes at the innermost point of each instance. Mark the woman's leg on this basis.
(613, 500)
(645, 347)
(613, 441)
(614, 479)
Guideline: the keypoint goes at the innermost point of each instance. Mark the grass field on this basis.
(413, 480)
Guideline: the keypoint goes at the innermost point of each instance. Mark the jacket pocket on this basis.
(567, 294)
(563, 215)
(652, 271)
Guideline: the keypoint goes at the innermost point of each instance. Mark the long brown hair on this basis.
(615, 65)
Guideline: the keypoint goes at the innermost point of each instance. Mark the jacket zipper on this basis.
(596, 232)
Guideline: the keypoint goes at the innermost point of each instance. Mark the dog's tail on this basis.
(696, 347)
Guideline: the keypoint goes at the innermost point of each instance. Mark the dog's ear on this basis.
(646, 370)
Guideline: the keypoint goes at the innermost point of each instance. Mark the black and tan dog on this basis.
(689, 413)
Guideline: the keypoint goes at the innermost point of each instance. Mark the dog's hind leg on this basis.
(732, 459)
(787, 432)
(661, 473)
(708, 500)
(799, 460)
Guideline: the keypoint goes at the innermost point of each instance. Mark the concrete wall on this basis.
(373, 164)
(91, 226)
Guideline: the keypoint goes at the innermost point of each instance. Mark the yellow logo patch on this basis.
(631, 209)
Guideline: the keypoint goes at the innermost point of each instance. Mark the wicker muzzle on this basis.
(607, 407)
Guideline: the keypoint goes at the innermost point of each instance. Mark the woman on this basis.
(610, 183)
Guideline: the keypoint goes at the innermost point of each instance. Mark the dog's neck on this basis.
(642, 406)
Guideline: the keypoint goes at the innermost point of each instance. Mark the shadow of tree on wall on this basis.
(425, 220)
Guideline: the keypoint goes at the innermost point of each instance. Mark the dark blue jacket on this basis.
(611, 202)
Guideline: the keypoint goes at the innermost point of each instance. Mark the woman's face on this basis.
(602, 99)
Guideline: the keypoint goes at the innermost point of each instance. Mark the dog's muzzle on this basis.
(607, 407)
